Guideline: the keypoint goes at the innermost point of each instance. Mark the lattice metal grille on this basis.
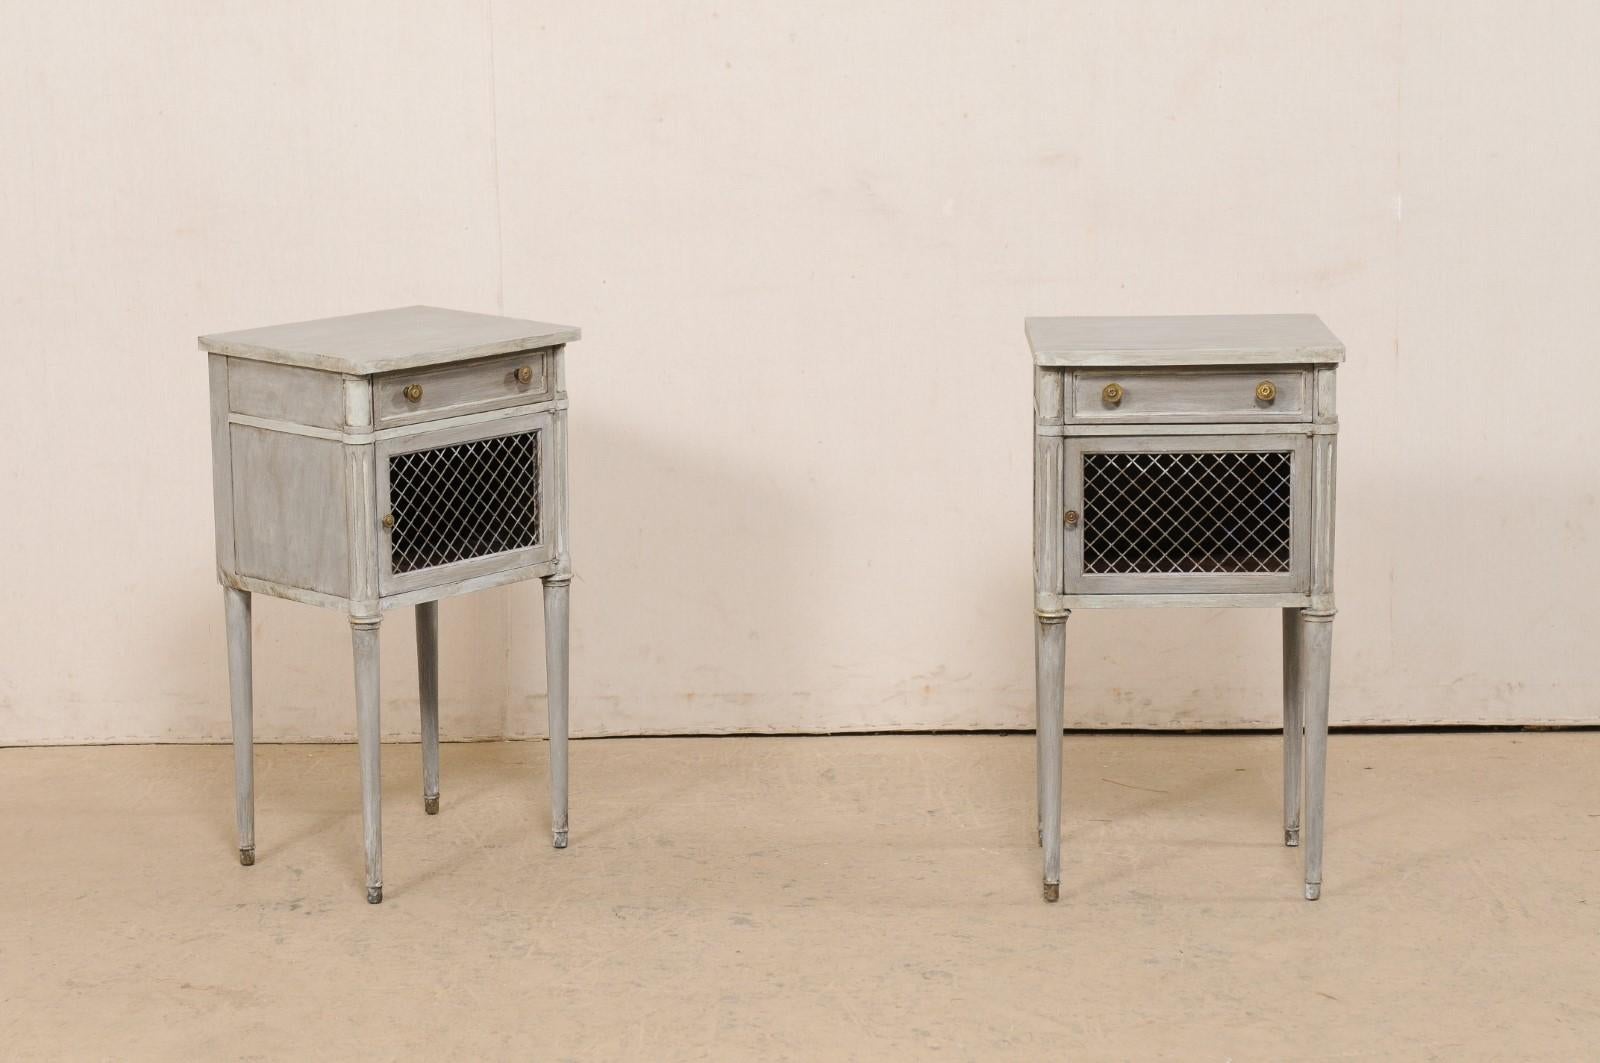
(463, 501)
(1187, 512)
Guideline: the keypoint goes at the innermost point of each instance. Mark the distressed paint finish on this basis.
(282, 392)
(369, 736)
(557, 598)
(241, 692)
(1050, 661)
(1207, 340)
(427, 614)
(460, 388)
(1293, 728)
(1187, 384)
(381, 341)
(1156, 396)
(1316, 662)
(304, 419)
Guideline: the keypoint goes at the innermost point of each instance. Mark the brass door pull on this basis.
(413, 392)
(388, 521)
(1266, 391)
(1072, 518)
(1112, 394)
(525, 374)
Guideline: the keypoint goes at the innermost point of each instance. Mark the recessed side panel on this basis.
(289, 509)
(286, 393)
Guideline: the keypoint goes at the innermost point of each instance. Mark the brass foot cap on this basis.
(374, 894)
(247, 857)
(1291, 837)
(560, 839)
(430, 805)
(1052, 891)
(1313, 890)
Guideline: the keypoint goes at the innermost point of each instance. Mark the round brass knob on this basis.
(413, 392)
(388, 521)
(1072, 518)
(1266, 391)
(525, 375)
(1112, 394)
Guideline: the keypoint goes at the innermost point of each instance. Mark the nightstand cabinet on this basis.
(1188, 461)
(383, 460)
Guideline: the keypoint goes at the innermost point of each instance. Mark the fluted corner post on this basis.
(369, 735)
(236, 609)
(428, 695)
(1315, 668)
(556, 620)
(1050, 658)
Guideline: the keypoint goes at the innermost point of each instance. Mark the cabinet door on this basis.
(1220, 514)
(464, 502)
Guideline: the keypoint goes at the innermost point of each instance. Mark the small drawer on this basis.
(465, 387)
(1175, 396)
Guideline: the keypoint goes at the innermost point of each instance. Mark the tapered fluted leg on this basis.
(556, 599)
(1038, 762)
(1293, 728)
(236, 607)
(428, 691)
(1316, 660)
(369, 732)
(1050, 659)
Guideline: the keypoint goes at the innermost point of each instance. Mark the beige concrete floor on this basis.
(806, 898)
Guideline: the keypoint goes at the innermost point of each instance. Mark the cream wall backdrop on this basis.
(800, 240)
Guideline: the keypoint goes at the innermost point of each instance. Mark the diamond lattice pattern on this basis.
(464, 501)
(1187, 512)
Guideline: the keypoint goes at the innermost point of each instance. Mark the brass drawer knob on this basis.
(1112, 394)
(1266, 391)
(413, 392)
(388, 521)
(525, 374)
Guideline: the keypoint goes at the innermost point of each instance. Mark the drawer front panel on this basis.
(467, 387)
(1220, 514)
(1154, 396)
(465, 502)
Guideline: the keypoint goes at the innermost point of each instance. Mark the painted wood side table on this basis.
(383, 460)
(1187, 461)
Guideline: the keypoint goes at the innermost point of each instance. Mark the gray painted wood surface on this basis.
(427, 614)
(460, 388)
(1154, 396)
(382, 341)
(557, 598)
(369, 736)
(1293, 729)
(1050, 657)
(241, 685)
(286, 393)
(300, 450)
(289, 510)
(1206, 340)
(1315, 666)
(1184, 384)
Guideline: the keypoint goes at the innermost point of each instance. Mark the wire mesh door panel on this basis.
(462, 506)
(1174, 514)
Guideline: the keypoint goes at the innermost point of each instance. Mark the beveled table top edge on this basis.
(388, 340)
(1186, 340)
